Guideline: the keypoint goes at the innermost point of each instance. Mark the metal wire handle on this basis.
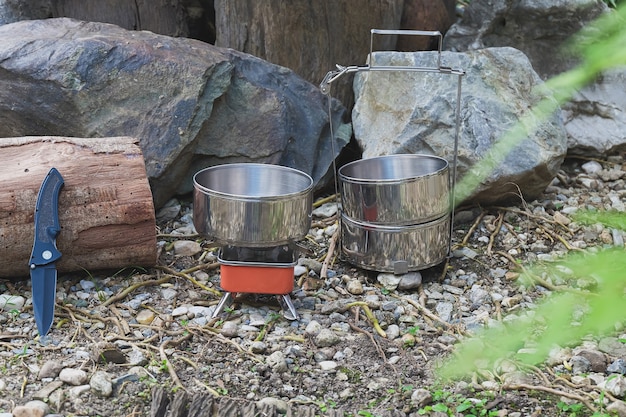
(332, 76)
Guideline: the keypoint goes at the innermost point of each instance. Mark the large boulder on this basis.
(595, 118)
(539, 28)
(410, 112)
(190, 104)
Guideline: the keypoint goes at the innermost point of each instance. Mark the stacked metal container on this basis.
(395, 212)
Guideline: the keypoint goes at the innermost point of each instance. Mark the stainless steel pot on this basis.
(250, 204)
(396, 249)
(395, 189)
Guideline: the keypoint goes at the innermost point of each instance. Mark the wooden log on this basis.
(106, 212)
(166, 17)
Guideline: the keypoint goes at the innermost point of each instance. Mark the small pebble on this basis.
(73, 376)
(145, 316)
(35, 408)
(186, 248)
(101, 384)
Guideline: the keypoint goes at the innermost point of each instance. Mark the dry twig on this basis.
(126, 291)
(168, 364)
(369, 315)
(331, 250)
(472, 228)
(493, 235)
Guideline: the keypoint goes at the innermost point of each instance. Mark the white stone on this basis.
(327, 365)
(10, 302)
(186, 248)
(73, 376)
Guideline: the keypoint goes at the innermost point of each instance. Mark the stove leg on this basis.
(289, 310)
(225, 301)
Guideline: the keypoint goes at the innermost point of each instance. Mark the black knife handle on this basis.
(47, 225)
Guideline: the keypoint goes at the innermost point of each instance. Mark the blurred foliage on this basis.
(563, 317)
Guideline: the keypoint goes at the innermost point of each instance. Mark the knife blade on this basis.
(43, 273)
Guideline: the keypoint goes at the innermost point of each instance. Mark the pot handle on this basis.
(332, 76)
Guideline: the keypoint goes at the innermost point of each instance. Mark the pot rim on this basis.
(393, 228)
(359, 180)
(232, 196)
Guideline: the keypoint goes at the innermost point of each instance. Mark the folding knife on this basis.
(43, 273)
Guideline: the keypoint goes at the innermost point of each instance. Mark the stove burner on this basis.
(257, 270)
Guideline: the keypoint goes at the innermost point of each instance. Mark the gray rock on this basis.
(327, 365)
(326, 338)
(258, 347)
(414, 113)
(617, 407)
(325, 210)
(354, 286)
(313, 328)
(580, 365)
(389, 281)
(312, 264)
(73, 376)
(186, 248)
(410, 281)
(35, 408)
(617, 367)
(189, 104)
(136, 357)
(230, 329)
(277, 403)
(75, 392)
(9, 302)
(421, 397)
(393, 331)
(595, 118)
(444, 310)
(47, 390)
(277, 361)
(478, 295)
(597, 360)
(534, 27)
(101, 383)
(615, 385)
(50, 369)
(612, 346)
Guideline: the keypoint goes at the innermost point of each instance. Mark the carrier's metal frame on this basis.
(332, 76)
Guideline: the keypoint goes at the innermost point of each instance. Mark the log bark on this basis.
(309, 37)
(159, 16)
(106, 210)
(425, 15)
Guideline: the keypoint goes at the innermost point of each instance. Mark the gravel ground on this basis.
(121, 337)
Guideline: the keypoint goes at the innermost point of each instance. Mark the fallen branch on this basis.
(125, 292)
(324, 200)
(369, 315)
(185, 274)
(426, 312)
(471, 230)
(558, 393)
(170, 367)
(493, 235)
(331, 250)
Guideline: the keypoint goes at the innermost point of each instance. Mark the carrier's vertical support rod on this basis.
(455, 158)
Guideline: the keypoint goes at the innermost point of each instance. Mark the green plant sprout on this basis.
(556, 320)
